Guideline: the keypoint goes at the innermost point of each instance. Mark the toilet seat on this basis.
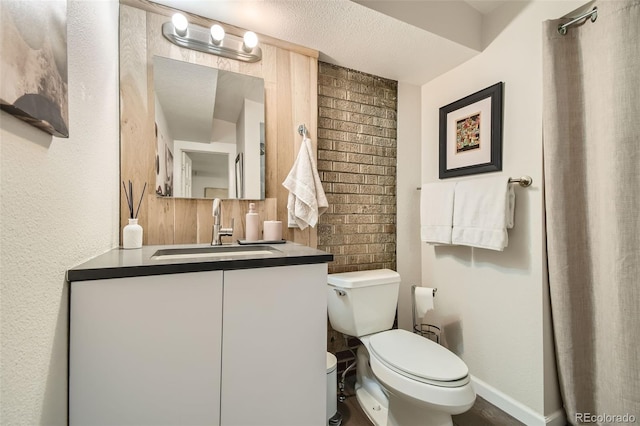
(418, 358)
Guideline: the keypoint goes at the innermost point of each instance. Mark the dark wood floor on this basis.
(481, 414)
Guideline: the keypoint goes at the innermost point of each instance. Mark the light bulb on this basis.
(250, 40)
(217, 33)
(180, 23)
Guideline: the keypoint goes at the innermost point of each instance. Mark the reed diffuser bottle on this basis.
(132, 233)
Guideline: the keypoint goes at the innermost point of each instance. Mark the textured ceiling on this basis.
(410, 41)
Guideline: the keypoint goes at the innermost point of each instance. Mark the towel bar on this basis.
(523, 181)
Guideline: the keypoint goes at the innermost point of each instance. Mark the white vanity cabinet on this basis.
(274, 362)
(146, 350)
(236, 347)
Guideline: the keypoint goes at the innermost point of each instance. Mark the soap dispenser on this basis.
(252, 224)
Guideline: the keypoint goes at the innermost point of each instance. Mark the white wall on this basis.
(199, 183)
(223, 131)
(408, 198)
(59, 207)
(164, 138)
(240, 149)
(253, 116)
(494, 305)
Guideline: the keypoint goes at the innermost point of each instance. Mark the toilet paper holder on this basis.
(413, 291)
(429, 331)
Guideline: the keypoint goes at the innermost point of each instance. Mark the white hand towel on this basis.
(483, 210)
(436, 212)
(307, 200)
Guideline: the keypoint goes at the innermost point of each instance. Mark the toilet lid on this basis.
(417, 357)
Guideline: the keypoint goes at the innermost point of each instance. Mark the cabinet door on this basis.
(146, 350)
(274, 346)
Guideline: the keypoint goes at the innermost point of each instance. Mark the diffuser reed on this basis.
(129, 196)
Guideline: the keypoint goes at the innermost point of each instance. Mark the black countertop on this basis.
(121, 263)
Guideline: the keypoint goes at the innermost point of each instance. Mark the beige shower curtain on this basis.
(591, 124)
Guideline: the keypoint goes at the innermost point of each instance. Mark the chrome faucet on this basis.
(218, 230)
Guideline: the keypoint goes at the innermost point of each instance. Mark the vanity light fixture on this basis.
(250, 40)
(214, 40)
(217, 34)
(180, 24)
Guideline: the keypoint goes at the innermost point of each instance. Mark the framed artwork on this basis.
(471, 134)
(33, 63)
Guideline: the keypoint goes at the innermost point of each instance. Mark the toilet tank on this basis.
(363, 302)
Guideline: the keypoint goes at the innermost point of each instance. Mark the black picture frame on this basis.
(467, 145)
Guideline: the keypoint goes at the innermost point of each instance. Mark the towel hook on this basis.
(302, 129)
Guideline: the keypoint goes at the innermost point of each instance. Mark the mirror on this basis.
(209, 129)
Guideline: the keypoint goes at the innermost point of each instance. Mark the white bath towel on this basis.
(483, 211)
(436, 212)
(307, 200)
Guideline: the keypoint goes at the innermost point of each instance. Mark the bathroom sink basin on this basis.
(219, 252)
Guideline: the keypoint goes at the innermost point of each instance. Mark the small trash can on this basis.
(332, 388)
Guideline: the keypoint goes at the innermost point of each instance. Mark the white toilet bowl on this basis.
(424, 382)
(403, 379)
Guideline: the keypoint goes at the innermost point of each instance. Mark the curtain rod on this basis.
(593, 14)
(523, 181)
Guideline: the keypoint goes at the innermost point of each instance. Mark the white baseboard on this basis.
(514, 408)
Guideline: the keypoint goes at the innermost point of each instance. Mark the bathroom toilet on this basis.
(403, 379)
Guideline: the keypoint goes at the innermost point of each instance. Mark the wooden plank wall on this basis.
(290, 75)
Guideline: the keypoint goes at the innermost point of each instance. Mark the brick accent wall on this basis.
(357, 165)
(357, 122)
